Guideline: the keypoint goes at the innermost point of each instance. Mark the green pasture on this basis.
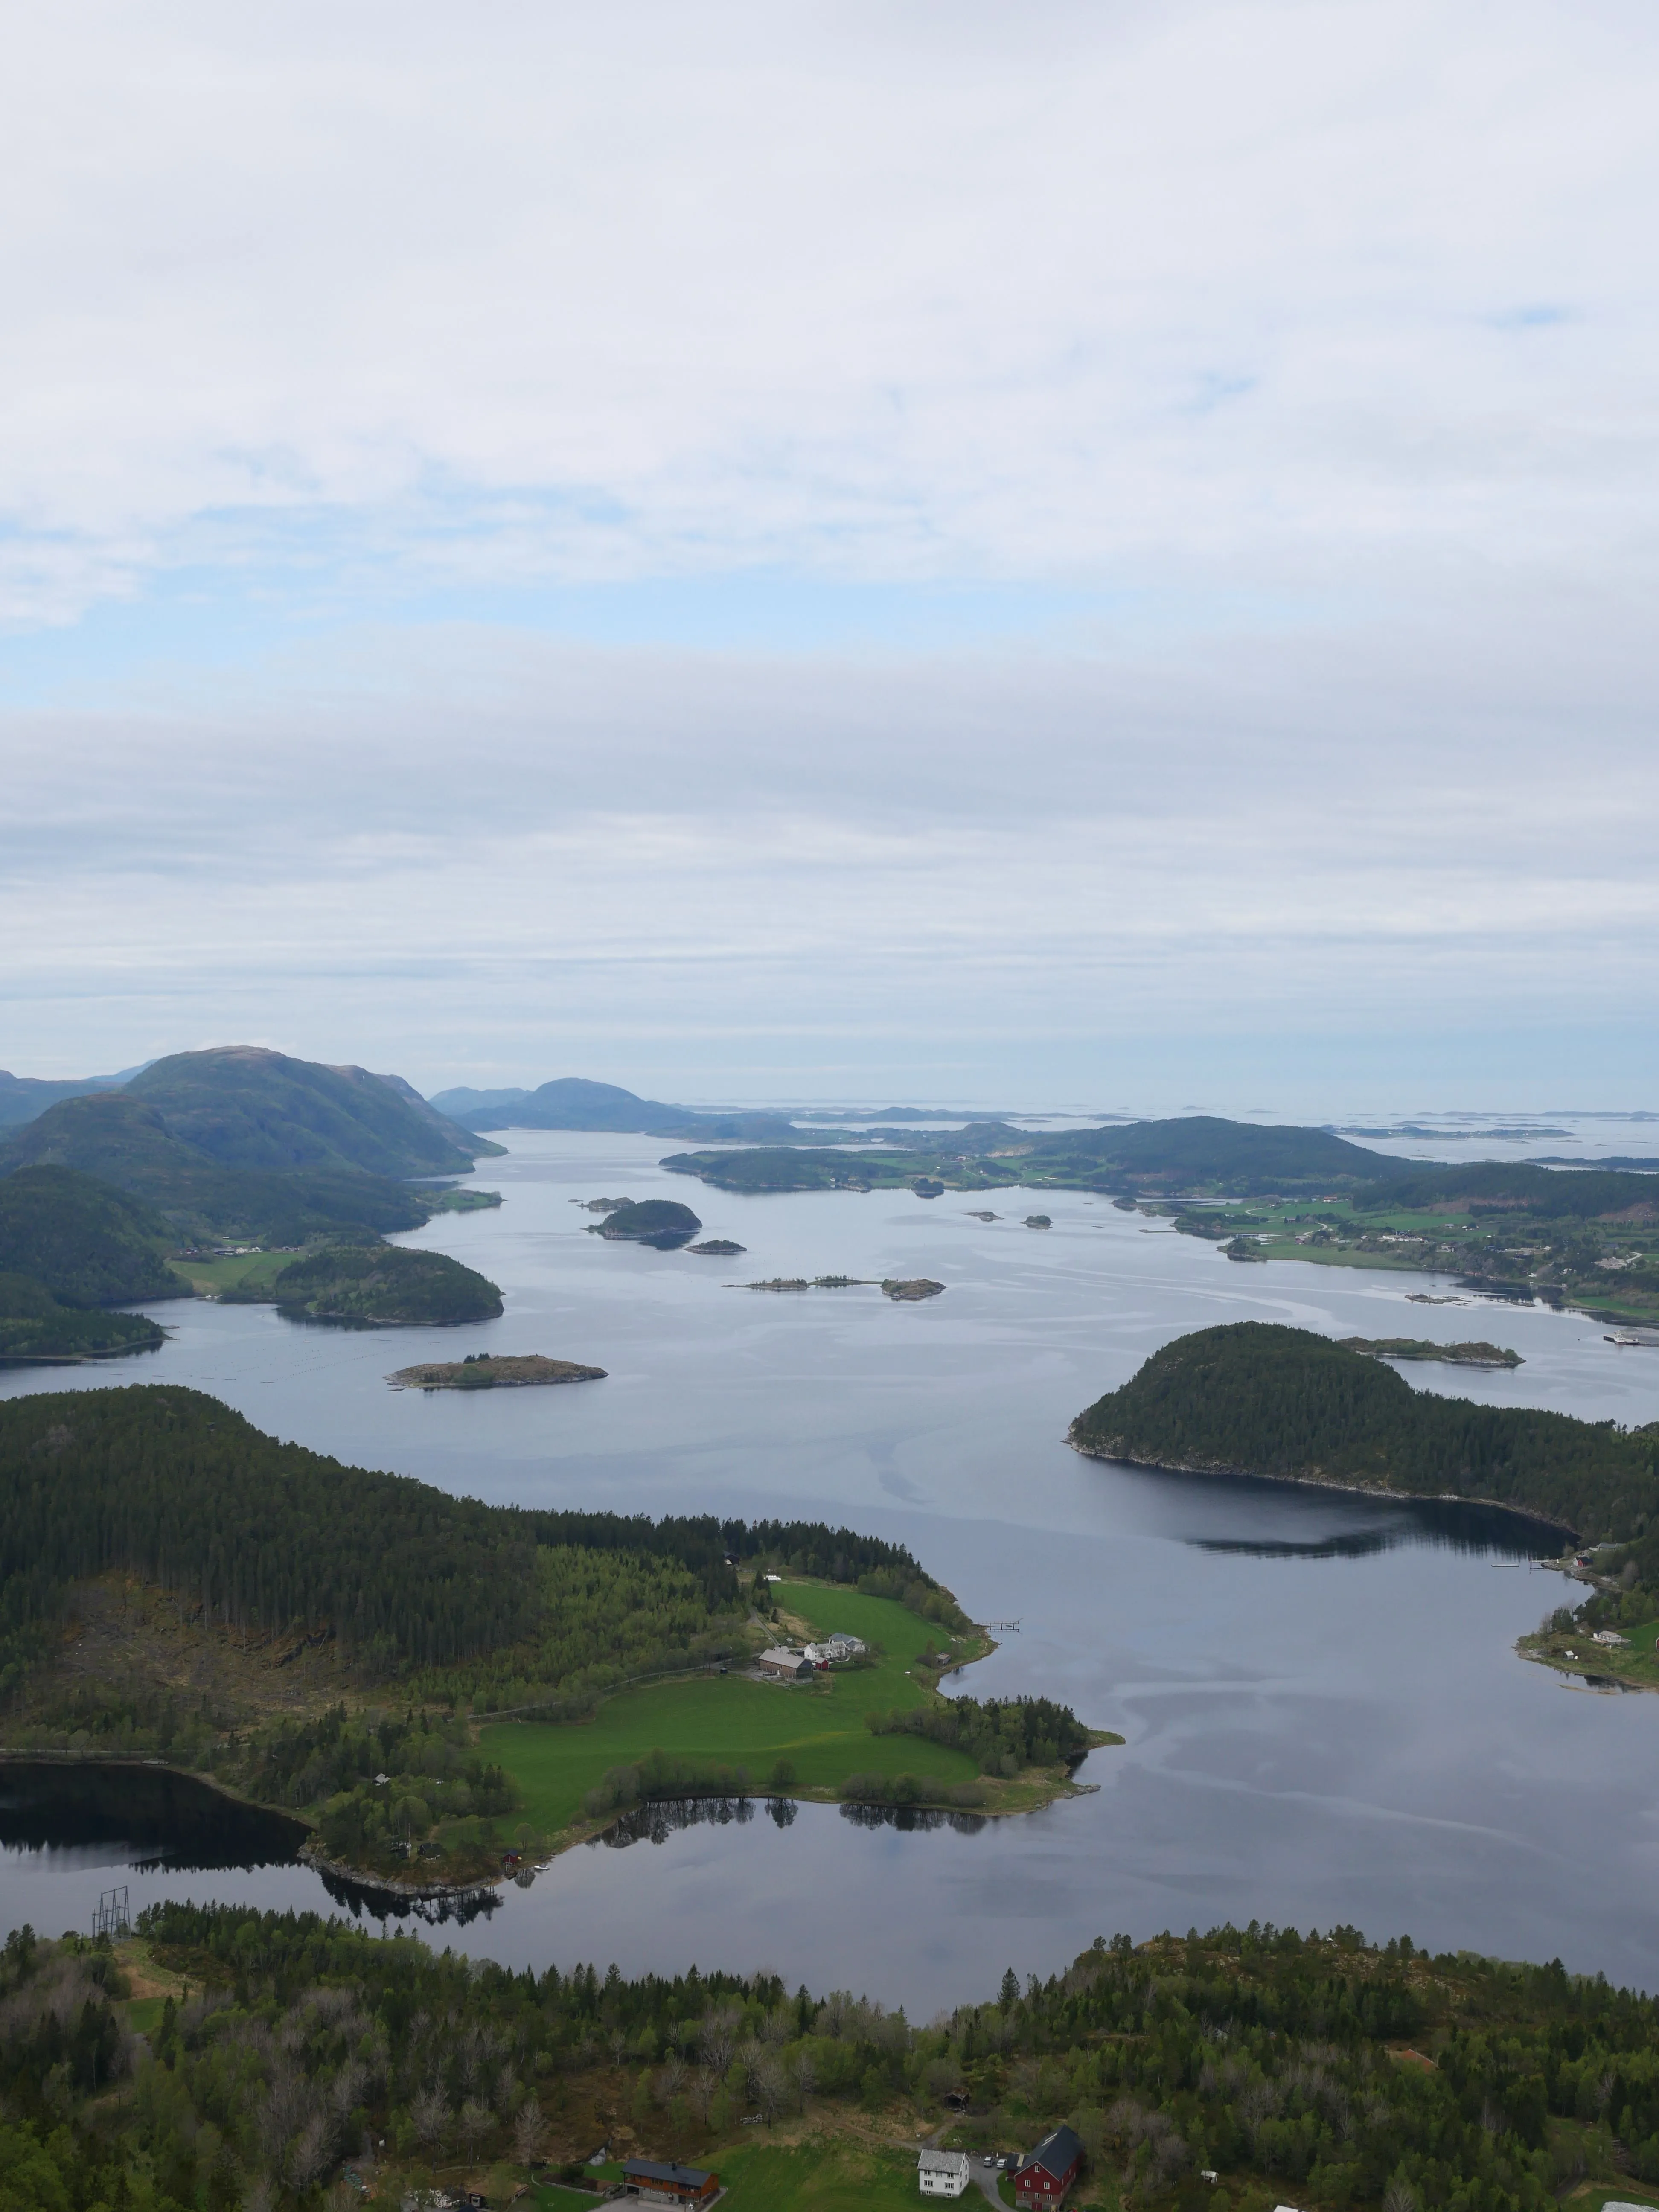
(206, 1278)
(820, 2177)
(726, 1721)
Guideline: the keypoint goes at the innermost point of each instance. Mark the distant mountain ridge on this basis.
(23, 1096)
(572, 1102)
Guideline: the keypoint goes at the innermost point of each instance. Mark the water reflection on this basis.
(913, 1820)
(655, 1823)
(458, 1911)
(157, 1818)
(1440, 1524)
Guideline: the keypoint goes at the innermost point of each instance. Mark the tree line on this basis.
(1353, 2075)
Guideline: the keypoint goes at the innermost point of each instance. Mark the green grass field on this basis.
(722, 1720)
(824, 2177)
(206, 1278)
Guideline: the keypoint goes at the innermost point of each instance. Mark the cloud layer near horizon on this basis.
(1274, 379)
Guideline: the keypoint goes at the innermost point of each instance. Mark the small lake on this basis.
(1325, 1720)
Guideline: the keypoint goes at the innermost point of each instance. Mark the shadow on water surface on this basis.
(1356, 1524)
(169, 1821)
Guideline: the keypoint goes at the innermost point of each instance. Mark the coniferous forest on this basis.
(1316, 2067)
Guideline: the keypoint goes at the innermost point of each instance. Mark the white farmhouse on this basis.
(942, 2173)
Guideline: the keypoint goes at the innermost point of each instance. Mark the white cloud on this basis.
(897, 290)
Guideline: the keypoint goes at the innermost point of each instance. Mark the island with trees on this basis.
(1255, 1398)
(662, 1223)
(176, 1585)
(1478, 1353)
(486, 1371)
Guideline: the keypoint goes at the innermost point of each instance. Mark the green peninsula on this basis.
(1256, 1398)
(427, 1681)
(378, 1285)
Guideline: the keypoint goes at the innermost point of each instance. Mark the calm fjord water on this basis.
(1326, 1721)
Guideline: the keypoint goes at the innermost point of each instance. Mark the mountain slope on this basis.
(246, 1107)
(86, 1244)
(124, 1142)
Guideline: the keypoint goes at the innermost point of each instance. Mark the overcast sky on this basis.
(1041, 553)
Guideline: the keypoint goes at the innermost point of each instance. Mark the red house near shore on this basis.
(1043, 2176)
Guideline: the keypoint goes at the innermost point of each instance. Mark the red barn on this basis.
(1043, 2176)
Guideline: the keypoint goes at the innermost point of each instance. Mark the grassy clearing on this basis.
(832, 2176)
(209, 1278)
(725, 1720)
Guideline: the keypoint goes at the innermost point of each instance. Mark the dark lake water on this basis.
(1325, 1720)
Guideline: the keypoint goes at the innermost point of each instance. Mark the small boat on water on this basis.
(1650, 1336)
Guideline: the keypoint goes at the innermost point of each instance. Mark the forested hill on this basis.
(128, 1145)
(1187, 1153)
(85, 1243)
(1519, 1187)
(1316, 2067)
(1194, 1151)
(172, 1485)
(247, 1107)
(1253, 1398)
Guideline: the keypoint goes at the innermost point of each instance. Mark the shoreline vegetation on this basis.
(220, 2055)
(486, 1371)
(438, 1688)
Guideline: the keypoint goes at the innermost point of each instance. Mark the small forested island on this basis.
(1475, 1354)
(400, 1668)
(718, 1248)
(662, 1223)
(911, 1292)
(377, 1286)
(1318, 2067)
(1254, 1398)
(486, 1371)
